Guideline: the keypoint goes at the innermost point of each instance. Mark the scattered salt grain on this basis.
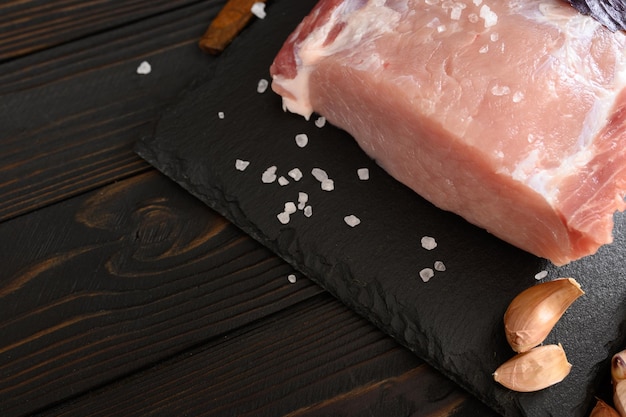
(319, 174)
(296, 174)
(472, 17)
(283, 217)
(269, 175)
(290, 207)
(308, 211)
(328, 185)
(241, 165)
(440, 266)
(518, 96)
(283, 181)
(426, 274)
(258, 9)
(303, 198)
(490, 18)
(262, 85)
(352, 220)
(220, 115)
(494, 37)
(477, 2)
(500, 90)
(441, 28)
(363, 173)
(292, 278)
(541, 275)
(302, 140)
(320, 121)
(429, 243)
(483, 49)
(456, 12)
(144, 68)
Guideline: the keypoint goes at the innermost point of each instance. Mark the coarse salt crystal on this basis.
(320, 121)
(258, 9)
(352, 220)
(220, 114)
(283, 217)
(292, 278)
(296, 174)
(303, 198)
(308, 211)
(490, 18)
(283, 181)
(541, 275)
(262, 85)
(456, 12)
(441, 28)
(426, 274)
(518, 96)
(269, 175)
(477, 2)
(319, 174)
(290, 207)
(241, 165)
(500, 90)
(144, 68)
(302, 140)
(328, 185)
(439, 266)
(429, 243)
(363, 173)
(494, 36)
(484, 49)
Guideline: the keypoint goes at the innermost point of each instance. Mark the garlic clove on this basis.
(618, 367)
(619, 397)
(534, 370)
(602, 409)
(533, 313)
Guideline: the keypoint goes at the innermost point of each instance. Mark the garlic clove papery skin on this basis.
(534, 370)
(619, 397)
(602, 409)
(618, 367)
(533, 313)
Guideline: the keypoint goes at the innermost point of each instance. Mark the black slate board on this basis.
(453, 321)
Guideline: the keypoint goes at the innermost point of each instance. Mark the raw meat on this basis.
(510, 113)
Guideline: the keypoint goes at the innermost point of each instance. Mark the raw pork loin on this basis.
(510, 113)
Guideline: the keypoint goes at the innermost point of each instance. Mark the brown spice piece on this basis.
(233, 17)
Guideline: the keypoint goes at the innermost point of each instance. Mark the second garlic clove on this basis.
(618, 367)
(534, 370)
(533, 313)
(619, 397)
(602, 409)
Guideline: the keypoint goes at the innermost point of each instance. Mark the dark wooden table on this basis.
(122, 295)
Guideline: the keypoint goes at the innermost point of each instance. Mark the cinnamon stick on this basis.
(233, 17)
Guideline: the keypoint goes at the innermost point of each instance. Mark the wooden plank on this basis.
(115, 280)
(32, 25)
(70, 116)
(315, 359)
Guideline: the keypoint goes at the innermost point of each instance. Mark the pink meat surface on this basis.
(510, 113)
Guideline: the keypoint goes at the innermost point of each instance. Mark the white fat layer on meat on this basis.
(374, 15)
(578, 31)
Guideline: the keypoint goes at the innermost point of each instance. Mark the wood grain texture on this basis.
(315, 359)
(100, 286)
(70, 115)
(32, 25)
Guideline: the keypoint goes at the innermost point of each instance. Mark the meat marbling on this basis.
(510, 113)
